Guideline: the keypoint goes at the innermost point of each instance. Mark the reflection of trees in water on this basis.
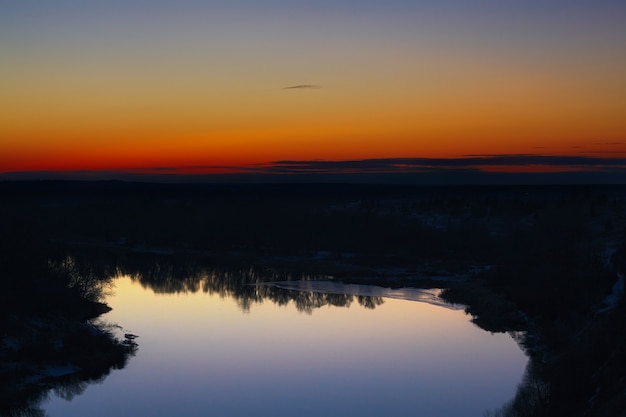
(89, 352)
(74, 387)
(29, 405)
(532, 394)
(370, 302)
(180, 275)
(308, 301)
(36, 343)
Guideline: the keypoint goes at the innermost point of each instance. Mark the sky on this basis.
(200, 87)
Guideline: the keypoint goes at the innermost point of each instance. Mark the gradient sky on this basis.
(138, 84)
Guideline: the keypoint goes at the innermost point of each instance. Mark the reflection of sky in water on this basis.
(200, 355)
(430, 296)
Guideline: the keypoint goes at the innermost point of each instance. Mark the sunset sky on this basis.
(194, 86)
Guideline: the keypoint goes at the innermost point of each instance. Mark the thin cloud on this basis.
(472, 162)
(303, 87)
(477, 168)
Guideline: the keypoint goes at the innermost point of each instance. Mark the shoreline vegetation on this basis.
(50, 338)
(539, 262)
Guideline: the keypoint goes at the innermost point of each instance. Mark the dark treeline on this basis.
(559, 272)
(542, 259)
(299, 219)
(47, 339)
(181, 273)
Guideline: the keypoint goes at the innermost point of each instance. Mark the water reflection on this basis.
(367, 293)
(29, 402)
(248, 284)
(245, 284)
(202, 355)
(58, 356)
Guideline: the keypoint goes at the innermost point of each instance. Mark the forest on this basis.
(542, 262)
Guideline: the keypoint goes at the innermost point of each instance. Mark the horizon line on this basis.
(477, 168)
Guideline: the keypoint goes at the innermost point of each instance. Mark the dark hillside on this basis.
(539, 259)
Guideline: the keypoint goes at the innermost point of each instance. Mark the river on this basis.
(307, 354)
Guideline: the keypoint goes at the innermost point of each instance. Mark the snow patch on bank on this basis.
(48, 372)
(611, 300)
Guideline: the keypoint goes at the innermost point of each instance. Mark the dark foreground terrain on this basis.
(544, 262)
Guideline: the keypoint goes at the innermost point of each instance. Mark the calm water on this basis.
(201, 354)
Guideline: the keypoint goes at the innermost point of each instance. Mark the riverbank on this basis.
(530, 259)
(65, 353)
(50, 338)
(577, 359)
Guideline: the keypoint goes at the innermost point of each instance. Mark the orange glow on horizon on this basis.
(248, 89)
(244, 148)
